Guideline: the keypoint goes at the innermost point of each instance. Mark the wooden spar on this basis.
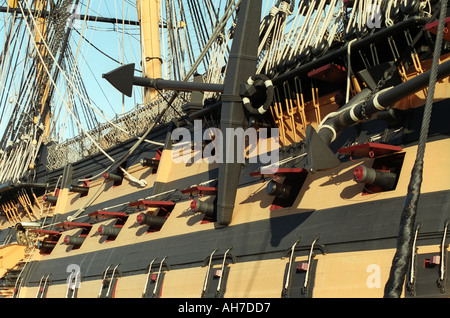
(12, 8)
(148, 14)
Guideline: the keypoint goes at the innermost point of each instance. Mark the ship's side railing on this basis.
(107, 135)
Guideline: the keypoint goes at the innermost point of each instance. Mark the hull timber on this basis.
(357, 237)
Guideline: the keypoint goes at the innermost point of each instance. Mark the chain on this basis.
(386, 77)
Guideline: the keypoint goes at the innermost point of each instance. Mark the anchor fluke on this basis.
(122, 79)
(319, 155)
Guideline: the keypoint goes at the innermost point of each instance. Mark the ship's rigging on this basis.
(46, 102)
(369, 59)
(46, 50)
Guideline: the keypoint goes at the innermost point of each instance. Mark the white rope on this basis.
(300, 39)
(52, 80)
(310, 25)
(326, 22)
(14, 165)
(141, 182)
(349, 69)
(289, 37)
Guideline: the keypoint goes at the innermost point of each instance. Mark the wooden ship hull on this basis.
(343, 243)
(328, 222)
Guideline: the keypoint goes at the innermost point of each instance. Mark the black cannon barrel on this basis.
(78, 189)
(41, 245)
(74, 240)
(282, 191)
(108, 230)
(384, 179)
(203, 207)
(147, 162)
(152, 220)
(50, 198)
(112, 177)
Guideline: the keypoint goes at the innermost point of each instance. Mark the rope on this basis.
(141, 182)
(349, 71)
(70, 82)
(75, 90)
(54, 84)
(313, 27)
(394, 285)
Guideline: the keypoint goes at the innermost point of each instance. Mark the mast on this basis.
(148, 15)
